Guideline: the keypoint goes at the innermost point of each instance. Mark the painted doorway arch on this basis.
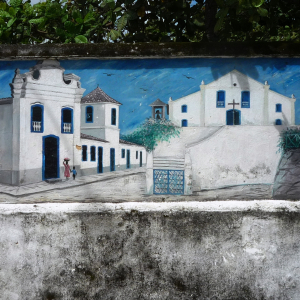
(50, 157)
(233, 117)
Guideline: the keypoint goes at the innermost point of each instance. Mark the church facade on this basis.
(229, 137)
(47, 120)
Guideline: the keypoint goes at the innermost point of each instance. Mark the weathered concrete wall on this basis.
(213, 250)
(287, 183)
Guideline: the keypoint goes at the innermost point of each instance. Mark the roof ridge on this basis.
(98, 95)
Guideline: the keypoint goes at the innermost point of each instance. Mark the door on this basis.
(50, 157)
(128, 159)
(112, 159)
(100, 159)
(141, 158)
(233, 117)
(168, 182)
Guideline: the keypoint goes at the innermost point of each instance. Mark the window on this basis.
(220, 98)
(123, 153)
(278, 122)
(67, 120)
(184, 123)
(112, 159)
(37, 118)
(137, 154)
(128, 159)
(184, 108)
(84, 153)
(93, 153)
(245, 99)
(113, 116)
(278, 107)
(89, 114)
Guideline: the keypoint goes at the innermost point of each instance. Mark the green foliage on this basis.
(151, 132)
(289, 139)
(96, 21)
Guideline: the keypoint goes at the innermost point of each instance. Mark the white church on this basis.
(47, 120)
(230, 130)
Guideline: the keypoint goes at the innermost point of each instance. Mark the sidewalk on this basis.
(43, 186)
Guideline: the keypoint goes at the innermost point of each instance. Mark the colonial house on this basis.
(229, 135)
(46, 120)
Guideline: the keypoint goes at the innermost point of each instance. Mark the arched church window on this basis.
(37, 118)
(89, 118)
(184, 108)
(278, 122)
(220, 98)
(278, 107)
(245, 99)
(113, 116)
(67, 120)
(184, 123)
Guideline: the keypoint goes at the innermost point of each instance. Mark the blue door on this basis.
(112, 159)
(128, 159)
(168, 182)
(50, 157)
(100, 160)
(233, 117)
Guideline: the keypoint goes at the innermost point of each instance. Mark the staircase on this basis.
(168, 163)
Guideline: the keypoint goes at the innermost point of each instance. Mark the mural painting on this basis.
(178, 128)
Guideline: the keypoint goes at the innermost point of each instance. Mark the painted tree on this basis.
(151, 132)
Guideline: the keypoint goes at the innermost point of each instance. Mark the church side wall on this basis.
(6, 132)
(286, 103)
(236, 155)
(193, 110)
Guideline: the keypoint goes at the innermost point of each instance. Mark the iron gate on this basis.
(168, 182)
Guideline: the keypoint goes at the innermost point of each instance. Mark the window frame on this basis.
(184, 121)
(278, 107)
(217, 99)
(278, 121)
(62, 120)
(86, 114)
(114, 116)
(122, 153)
(249, 100)
(42, 118)
(94, 149)
(84, 148)
(184, 108)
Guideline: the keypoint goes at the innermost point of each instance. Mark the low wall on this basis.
(212, 250)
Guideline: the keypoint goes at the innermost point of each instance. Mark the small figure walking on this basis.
(67, 168)
(74, 173)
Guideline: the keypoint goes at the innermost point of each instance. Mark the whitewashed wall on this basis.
(236, 155)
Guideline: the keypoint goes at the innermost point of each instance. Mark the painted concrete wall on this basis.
(213, 250)
(236, 155)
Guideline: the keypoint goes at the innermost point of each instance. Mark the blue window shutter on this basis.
(278, 122)
(93, 153)
(184, 108)
(245, 99)
(278, 107)
(221, 99)
(184, 123)
(123, 153)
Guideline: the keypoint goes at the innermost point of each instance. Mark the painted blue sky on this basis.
(137, 83)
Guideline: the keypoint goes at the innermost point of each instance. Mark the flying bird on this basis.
(109, 74)
(188, 77)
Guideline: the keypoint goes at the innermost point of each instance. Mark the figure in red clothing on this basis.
(67, 172)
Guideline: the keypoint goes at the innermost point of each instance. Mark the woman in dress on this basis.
(67, 168)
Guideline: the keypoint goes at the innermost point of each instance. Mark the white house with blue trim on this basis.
(46, 120)
(230, 130)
